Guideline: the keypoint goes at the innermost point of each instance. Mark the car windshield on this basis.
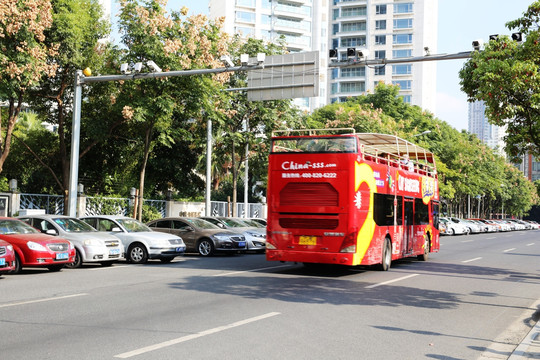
(253, 223)
(73, 225)
(133, 225)
(233, 223)
(202, 224)
(334, 144)
(10, 227)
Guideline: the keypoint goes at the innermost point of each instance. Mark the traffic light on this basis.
(517, 37)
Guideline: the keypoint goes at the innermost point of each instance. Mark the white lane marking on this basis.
(391, 281)
(108, 267)
(42, 300)
(489, 238)
(466, 241)
(531, 244)
(471, 260)
(507, 250)
(244, 271)
(193, 336)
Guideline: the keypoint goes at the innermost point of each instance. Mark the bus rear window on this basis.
(315, 145)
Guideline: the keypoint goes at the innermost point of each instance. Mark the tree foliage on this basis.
(505, 77)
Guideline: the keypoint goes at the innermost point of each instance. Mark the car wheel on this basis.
(386, 260)
(55, 268)
(77, 262)
(205, 247)
(18, 265)
(137, 254)
(452, 231)
(427, 248)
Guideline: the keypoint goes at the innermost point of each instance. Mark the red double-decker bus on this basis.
(350, 198)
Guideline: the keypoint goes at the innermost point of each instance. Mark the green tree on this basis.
(23, 58)
(505, 77)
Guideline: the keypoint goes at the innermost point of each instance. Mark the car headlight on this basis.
(92, 242)
(222, 237)
(35, 246)
(10, 247)
(256, 234)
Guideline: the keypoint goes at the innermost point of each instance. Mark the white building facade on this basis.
(491, 135)
(387, 29)
(398, 29)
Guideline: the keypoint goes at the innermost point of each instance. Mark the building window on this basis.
(380, 24)
(335, 73)
(402, 39)
(380, 70)
(402, 23)
(380, 54)
(403, 84)
(380, 9)
(352, 87)
(353, 41)
(404, 8)
(267, 4)
(354, 11)
(407, 99)
(353, 72)
(355, 26)
(246, 3)
(334, 88)
(396, 54)
(243, 16)
(245, 31)
(335, 29)
(335, 14)
(405, 69)
(380, 39)
(266, 19)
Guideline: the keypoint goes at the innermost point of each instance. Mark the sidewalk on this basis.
(529, 347)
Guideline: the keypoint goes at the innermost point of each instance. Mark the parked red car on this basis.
(34, 249)
(7, 257)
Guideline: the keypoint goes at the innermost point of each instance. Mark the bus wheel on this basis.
(427, 248)
(386, 255)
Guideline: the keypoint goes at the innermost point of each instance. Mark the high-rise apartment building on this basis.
(489, 134)
(303, 24)
(387, 29)
(398, 29)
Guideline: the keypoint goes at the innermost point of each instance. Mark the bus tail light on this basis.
(349, 243)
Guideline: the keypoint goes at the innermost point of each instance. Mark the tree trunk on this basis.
(235, 180)
(143, 170)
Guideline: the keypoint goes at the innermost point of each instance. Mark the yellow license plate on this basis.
(307, 240)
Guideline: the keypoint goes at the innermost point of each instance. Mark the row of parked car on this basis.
(457, 226)
(57, 241)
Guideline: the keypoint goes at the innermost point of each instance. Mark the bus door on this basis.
(408, 210)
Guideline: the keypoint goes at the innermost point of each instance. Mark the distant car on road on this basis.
(33, 249)
(140, 242)
(90, 244)
(200, 236)
(255, 236)
(7, 257)
(453, 228)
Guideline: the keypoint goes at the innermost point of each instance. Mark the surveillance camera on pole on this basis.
(244, 59)
(333, 53)
(260, 58)
(362, 53)
(124, 68)
(137, 67)
(478, 44)
(153, 67)
(517, 37)
(351, 52)
(226, 60)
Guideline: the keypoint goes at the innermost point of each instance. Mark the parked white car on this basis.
(473, 227)
(141, 242)
(90, 245)
(453, 228)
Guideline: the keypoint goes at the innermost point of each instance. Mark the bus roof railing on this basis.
(309, 132)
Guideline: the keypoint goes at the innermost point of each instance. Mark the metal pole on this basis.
(75, 135)
(208, 204)
(246, 175)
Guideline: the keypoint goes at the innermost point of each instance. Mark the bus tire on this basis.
(386, 260)
(427, 249)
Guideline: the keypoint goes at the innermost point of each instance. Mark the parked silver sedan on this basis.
(140, 242)
(255, 236)
(90, 244)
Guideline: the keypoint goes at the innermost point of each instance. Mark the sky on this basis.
(460, 22)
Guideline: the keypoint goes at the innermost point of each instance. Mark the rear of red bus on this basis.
(310, 194)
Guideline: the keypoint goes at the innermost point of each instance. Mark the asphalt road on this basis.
(477, 298)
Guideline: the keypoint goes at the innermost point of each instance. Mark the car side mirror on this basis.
(116, 229)
(51, 232)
